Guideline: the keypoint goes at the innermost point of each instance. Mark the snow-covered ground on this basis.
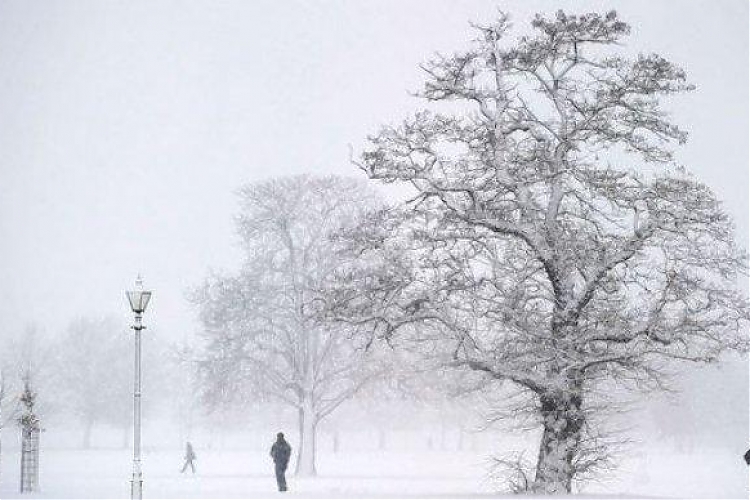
(238, 474)
(104, 473)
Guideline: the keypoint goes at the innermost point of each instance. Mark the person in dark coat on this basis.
(189, 457)
(280, 452)
(747, 457)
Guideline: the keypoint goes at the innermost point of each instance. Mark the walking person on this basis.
(189, 458)
(280, 452)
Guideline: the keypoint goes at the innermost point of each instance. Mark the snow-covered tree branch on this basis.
(536, 250)
(263, 327)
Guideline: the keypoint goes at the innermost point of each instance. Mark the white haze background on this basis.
(126, 128)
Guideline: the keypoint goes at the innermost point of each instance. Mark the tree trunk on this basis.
(87, 428)
(443, 437)
(125, 442)
(336, 441)
(2, 423)
(382, 440)
(562, 422)
(308, 424)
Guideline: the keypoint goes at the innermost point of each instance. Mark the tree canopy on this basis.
(536, 249)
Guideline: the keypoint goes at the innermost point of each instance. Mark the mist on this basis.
(141, 138)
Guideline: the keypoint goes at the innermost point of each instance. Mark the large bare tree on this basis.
(551, 244)
(265, 335)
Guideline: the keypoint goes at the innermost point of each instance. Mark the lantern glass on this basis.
(139, 298)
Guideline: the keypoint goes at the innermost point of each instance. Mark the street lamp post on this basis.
(138, 299)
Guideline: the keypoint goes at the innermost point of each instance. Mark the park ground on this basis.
(242, 469)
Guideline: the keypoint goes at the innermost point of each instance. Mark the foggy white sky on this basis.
(126, 127)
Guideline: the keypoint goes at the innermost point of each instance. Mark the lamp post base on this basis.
(136, 487)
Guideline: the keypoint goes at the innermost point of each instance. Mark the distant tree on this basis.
(94, 369)
(705, 402)
(389, 404)
(8, 406)
(29, 353)
(526, 255)
(24, 354)
(183, 382)
(265, 337)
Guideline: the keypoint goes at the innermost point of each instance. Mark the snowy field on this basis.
(237, 474)
(232, 473)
